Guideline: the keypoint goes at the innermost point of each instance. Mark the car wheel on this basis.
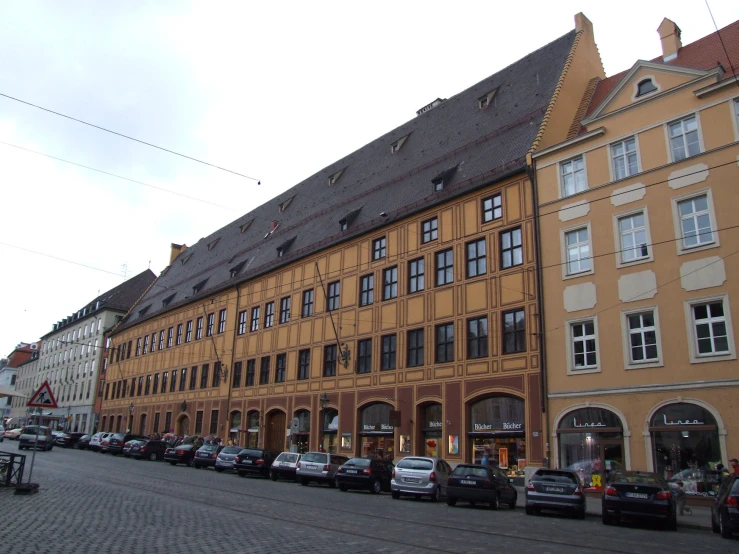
(512, 503)
(153, 457)
(242, 474)
(725, 531)
(715, 526)
(332, 483)
(219, 469)
(173, 463)
(472, 504)
(395, 494)
(342, 488)
(273, 475)
(606, 519)
(191, 463)
(376, 487)
(304, 482)
(436, 495)
(672, 523)
(451, 501)
(495, 502)
(196, 466)
(530, 511)
(580, 514)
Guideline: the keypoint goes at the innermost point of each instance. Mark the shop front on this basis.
(234, 427)
(301, 432)
(498, 432)
(591, 442)
(431, 427)
(376, 432)
(330, 423)
(275, 428)
(252, 430)
(685, 446)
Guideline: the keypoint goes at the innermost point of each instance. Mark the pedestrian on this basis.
(681, 500)
(487, 456)
(735, 466)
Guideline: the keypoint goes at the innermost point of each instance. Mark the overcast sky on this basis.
(275, 91)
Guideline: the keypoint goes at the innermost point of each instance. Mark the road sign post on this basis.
(42, 398)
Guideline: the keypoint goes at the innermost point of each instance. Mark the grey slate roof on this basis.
(470, 147)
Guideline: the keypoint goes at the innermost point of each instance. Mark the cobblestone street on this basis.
(90, 502)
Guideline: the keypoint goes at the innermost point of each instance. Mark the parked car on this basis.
(104, 442)
(2, 432)
(97, 439)
(320, 467)
(150, 449)
(285, 466)
(697, 482)
(555, 489)
(181, 454)
(638, 495)
(725, 509)
(477, 483)
(206, 455)
(420, 476)
(68, 440)
(14, 433)
(364, 473)
(84, 442)
(225, 458)
(117, 442)
(254, 461)
(38, 436)
(129, 446)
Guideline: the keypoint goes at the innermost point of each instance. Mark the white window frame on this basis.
(695, 358)
(561, 181)
(611, 158)
(569, 346)
(618, 247)
(563, 248)
(626, 338)
(635, 98)
(677, 222)
(699, 129)
(734, 108)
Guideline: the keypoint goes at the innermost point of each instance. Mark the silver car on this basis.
(225, 458)
(285, 465)
(420, 476)
(320, 467)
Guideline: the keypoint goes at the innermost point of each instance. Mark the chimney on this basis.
(582, 23)
(176, 250)
(669, 34)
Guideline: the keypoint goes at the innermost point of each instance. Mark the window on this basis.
(511, 248)
(264, 371)
(415, 348)
(147, 386)
(445, 343)
(624, 158)
(645, 87)
(170, 336)
(710, 329)
(250, 370)
(390, 283)
(193, 377)
(476, 258)
(577, 248)
(204, 376)
(285, 310)
(164, 383)
(632, 231)
(444, 267)
(429, 230)
(155, 387)
(307, 310)
(514, 332)
(222, 321)
(183, 379)
(188, 332)
(146, 344)
(280, 365)
(254, 319)
(178, 341)
(378, 248)
(237, 375)
(211, 324)
(138, 346)
(642, 332)
(572, 176)
(477, 337)
(695, 221)
(334, 291)
(416, 275)
(161, 340)
(389, 352)
(367, 290)
(199, 329)
(583, 345)
(492, 208)
(198, 422)
(269, 315)
(684, 141)
(173, 381)
(364, 356)
(140, 388)
(329, 360)
(214, 422)
(303, 364)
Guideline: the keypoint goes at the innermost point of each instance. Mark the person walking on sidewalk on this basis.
(734, 466)
(680, 493)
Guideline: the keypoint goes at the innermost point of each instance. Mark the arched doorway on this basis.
(497, 431)
(142, 424)
(430, 424)
(300, 432)
(234, 427)
(376, 432)
(275, 431)
(685, 440)
(183, 425)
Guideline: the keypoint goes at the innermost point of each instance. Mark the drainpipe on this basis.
(531, 170)
(230, 377)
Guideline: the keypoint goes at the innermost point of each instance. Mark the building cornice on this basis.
(690, 385)
(585, 136)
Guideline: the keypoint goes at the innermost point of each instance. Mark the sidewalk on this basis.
(699, 519)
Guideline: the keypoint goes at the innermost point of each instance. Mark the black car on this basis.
(555, 489)
(180, 454)
(151, 450)
(725, 509)
(364, 473)
(478, 483)
(84, 442)
(254, 461)
(639, 495)
(68, 440)
(118, 440)
(206, 455)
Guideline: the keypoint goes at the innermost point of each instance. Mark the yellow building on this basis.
(387, 305)
(638, 217)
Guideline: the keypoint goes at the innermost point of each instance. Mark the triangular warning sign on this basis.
(43, 397)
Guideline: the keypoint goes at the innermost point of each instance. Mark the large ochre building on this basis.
(387, 305)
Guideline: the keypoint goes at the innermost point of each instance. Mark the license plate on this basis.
(352, 471)
(411, 479)
(554, 489)
(312, 466)
(465, 482)
(637, 495)
(284, 464)
(227, 463)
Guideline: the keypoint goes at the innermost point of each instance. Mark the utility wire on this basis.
(127, 137)
(731, 65)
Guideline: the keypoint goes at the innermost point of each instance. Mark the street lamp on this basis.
(130, 417)
(323, 399)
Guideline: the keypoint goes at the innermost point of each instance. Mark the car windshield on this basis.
(289, 458)
(415, 463)
(231, 450)
(555, 477)
(314, 457)
(470, 471)
(358, 462)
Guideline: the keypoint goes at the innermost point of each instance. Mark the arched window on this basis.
(645, 87)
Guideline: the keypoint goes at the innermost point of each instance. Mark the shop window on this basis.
(497, 432)
(431, 427)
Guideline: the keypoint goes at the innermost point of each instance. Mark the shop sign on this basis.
(434, 425)
(681, 422)
(507, 426)
(375, 427)
(576, 423)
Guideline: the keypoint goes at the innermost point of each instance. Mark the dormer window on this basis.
(282, 249)
(443, 179)
(197, 288)
(285, 204)
(438, 185)
(398, 144)
(335, 177)
(343, 224)
(645, 87)
(184, 260)
(244, 226)
(167, 300)
(212, 245)
(143, 310)
(348, 219)
(235, 270)
(486, 99)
